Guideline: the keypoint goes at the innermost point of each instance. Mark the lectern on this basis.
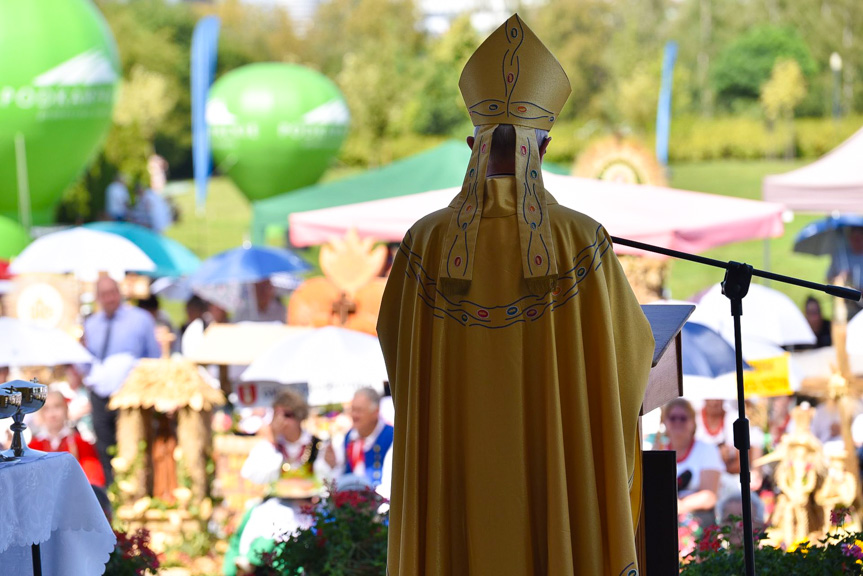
(656, 536)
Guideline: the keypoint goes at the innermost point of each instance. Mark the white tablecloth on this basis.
(50, 502)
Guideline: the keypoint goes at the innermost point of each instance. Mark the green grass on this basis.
(225, 224)
(743, 179)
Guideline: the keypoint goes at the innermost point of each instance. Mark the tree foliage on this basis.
(438, 107)
(401, 83)
(747, 63)
(784, 91)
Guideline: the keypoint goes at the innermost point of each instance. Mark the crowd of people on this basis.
(298, 463)
(708, 464)
(294, 463)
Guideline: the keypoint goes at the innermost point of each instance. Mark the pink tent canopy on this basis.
(833, 183)
(676, 219)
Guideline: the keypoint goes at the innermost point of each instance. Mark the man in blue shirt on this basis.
(117, 335)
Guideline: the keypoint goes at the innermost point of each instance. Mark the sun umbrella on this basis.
(826, 236)
(171, 288)
(81, 251)
(22, 344)
(708, 362)
(333, 361)
(221, 278)
(170, 257)
(770, 318)
(705, 352)
(247, 264)
(13, 238)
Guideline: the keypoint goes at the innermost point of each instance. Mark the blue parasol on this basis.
(705, 352)
(221, 278)
(826, 237)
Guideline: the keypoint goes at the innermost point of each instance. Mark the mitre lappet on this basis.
(512, 78)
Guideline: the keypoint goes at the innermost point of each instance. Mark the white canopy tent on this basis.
(833, 183)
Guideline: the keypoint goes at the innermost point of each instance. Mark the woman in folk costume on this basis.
(517, 354)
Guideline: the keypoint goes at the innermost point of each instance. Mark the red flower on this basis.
(710, 541)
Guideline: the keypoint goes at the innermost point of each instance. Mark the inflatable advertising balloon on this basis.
(275, 127)
(58, 75)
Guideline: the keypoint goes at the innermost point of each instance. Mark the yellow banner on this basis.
(768, 377)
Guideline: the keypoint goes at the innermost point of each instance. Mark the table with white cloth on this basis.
(47, 500)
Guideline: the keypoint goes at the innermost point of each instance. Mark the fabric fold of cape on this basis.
(516, 409)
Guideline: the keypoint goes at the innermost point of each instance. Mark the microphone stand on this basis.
(735, 286)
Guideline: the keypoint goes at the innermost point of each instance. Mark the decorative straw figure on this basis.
(797, 477)
(839, 487)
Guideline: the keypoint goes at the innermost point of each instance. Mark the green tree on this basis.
(781, 95)
(746, 64)
(371, 49)
(252, 33)
(578, 33)
(153, 38)
(439, 108)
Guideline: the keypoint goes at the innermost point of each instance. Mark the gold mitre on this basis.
(512, 78)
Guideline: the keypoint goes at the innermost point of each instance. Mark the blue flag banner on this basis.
(205, 40)
(663, 109)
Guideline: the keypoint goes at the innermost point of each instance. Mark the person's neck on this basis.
(365, 433)
(681, 444)
(293, 436)
(714, 417)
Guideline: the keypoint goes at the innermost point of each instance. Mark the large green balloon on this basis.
(58, 75)
(13, 238)
(275, 127)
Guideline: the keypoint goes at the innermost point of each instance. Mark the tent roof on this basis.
(676, 219)
(832, 183)
(440, 167)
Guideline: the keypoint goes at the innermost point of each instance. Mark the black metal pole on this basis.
(36, 553)
(735, 286)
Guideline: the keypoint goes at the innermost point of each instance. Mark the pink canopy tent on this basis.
(833, 183)
(676, 219)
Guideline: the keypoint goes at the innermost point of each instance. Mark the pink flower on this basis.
(837, 516)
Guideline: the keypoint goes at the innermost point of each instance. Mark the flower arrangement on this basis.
(132, 555)
(348, 537)
(719, 554)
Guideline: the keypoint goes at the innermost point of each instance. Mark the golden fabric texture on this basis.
(516, 411)
(512, 78)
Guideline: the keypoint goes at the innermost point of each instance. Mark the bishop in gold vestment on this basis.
(518, 358)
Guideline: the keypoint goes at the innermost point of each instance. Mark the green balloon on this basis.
(275, 127)
(58, 77)
(13, 238)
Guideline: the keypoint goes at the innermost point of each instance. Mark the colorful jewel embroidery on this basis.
(528, 308)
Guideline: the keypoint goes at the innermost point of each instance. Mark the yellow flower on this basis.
(801, 543)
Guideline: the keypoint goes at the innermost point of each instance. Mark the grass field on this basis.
(743, 179)
(225, 224)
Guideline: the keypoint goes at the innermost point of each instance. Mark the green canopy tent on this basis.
(13, 238)
(440, 167)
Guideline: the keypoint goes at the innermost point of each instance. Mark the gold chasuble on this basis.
(518, 357)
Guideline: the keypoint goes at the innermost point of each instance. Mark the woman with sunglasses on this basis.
(699, 466)
(286, 458)
(285, 447)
